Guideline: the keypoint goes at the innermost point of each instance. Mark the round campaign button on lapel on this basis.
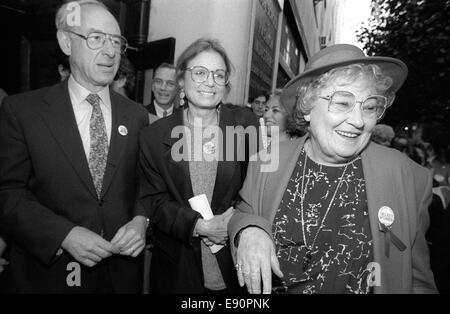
(386, 216)
(123, 130)
(209, 148)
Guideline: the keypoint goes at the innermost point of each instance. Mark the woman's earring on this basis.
(182, 95)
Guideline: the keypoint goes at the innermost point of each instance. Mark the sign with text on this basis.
(264, 45)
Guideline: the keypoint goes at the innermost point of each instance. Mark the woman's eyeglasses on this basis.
(200, 74)
(372, 107)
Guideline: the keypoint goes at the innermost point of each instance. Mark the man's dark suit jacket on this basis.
(46, 189)
(151, 108)
(164, 192)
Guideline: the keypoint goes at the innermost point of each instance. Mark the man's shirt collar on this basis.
(79, 93)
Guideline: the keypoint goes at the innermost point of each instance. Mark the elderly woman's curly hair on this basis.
(308, 92)
(293, 127)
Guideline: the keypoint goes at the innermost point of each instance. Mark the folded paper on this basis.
(200, 204)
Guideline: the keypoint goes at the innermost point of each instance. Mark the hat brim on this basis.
(391, 67)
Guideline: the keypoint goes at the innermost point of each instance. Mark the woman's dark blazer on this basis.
(165, 188)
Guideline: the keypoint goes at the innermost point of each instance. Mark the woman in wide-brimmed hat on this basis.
(341, 214)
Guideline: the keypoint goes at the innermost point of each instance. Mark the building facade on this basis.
(268, 41)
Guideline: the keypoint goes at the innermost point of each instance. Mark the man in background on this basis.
(164, 88)
(258, 103)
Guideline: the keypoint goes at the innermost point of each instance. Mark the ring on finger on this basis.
(238, 267)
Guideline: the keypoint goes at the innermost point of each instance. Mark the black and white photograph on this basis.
(222, 153)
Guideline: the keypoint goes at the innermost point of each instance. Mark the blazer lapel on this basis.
(118, 141)
(60, 119)
(225, 169)
(178, 170)
(277, 181)
(380, 194)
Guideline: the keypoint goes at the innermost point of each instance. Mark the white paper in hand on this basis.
(200, 204)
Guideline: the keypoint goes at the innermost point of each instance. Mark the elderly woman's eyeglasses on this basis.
(96, 40)
(343, 102)
(200, 74)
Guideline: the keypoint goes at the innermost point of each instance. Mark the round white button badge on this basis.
(123, 130)
(386, 216)
(209, 148)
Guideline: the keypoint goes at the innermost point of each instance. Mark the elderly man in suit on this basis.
(68, 156)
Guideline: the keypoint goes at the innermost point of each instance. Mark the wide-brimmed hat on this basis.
(341, 55)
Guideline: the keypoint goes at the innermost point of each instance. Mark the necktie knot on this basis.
(165, 113)
(93, 99)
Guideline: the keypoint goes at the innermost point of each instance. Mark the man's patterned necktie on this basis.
(98, 152)
(165, 113)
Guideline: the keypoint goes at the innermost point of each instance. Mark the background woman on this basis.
(182, 261)
(278, 115)
(342, 207)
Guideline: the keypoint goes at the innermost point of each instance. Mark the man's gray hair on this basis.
(65, 9)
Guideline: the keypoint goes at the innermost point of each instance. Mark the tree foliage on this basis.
(418, 33)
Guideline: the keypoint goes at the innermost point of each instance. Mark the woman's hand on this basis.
(3, 263)
(255, 260)
(214, 230)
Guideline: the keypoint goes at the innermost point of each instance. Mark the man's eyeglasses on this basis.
(372, 107)
(169, 84)
(200, 74)
(96, 40)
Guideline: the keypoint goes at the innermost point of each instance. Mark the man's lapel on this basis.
(151, 108)
(60, 119)
(119, 138)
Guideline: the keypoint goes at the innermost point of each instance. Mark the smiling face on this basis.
(164, 86)
(206, 95)
(339, 137)
(94, 69)
(258, 105)
(275, 115)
